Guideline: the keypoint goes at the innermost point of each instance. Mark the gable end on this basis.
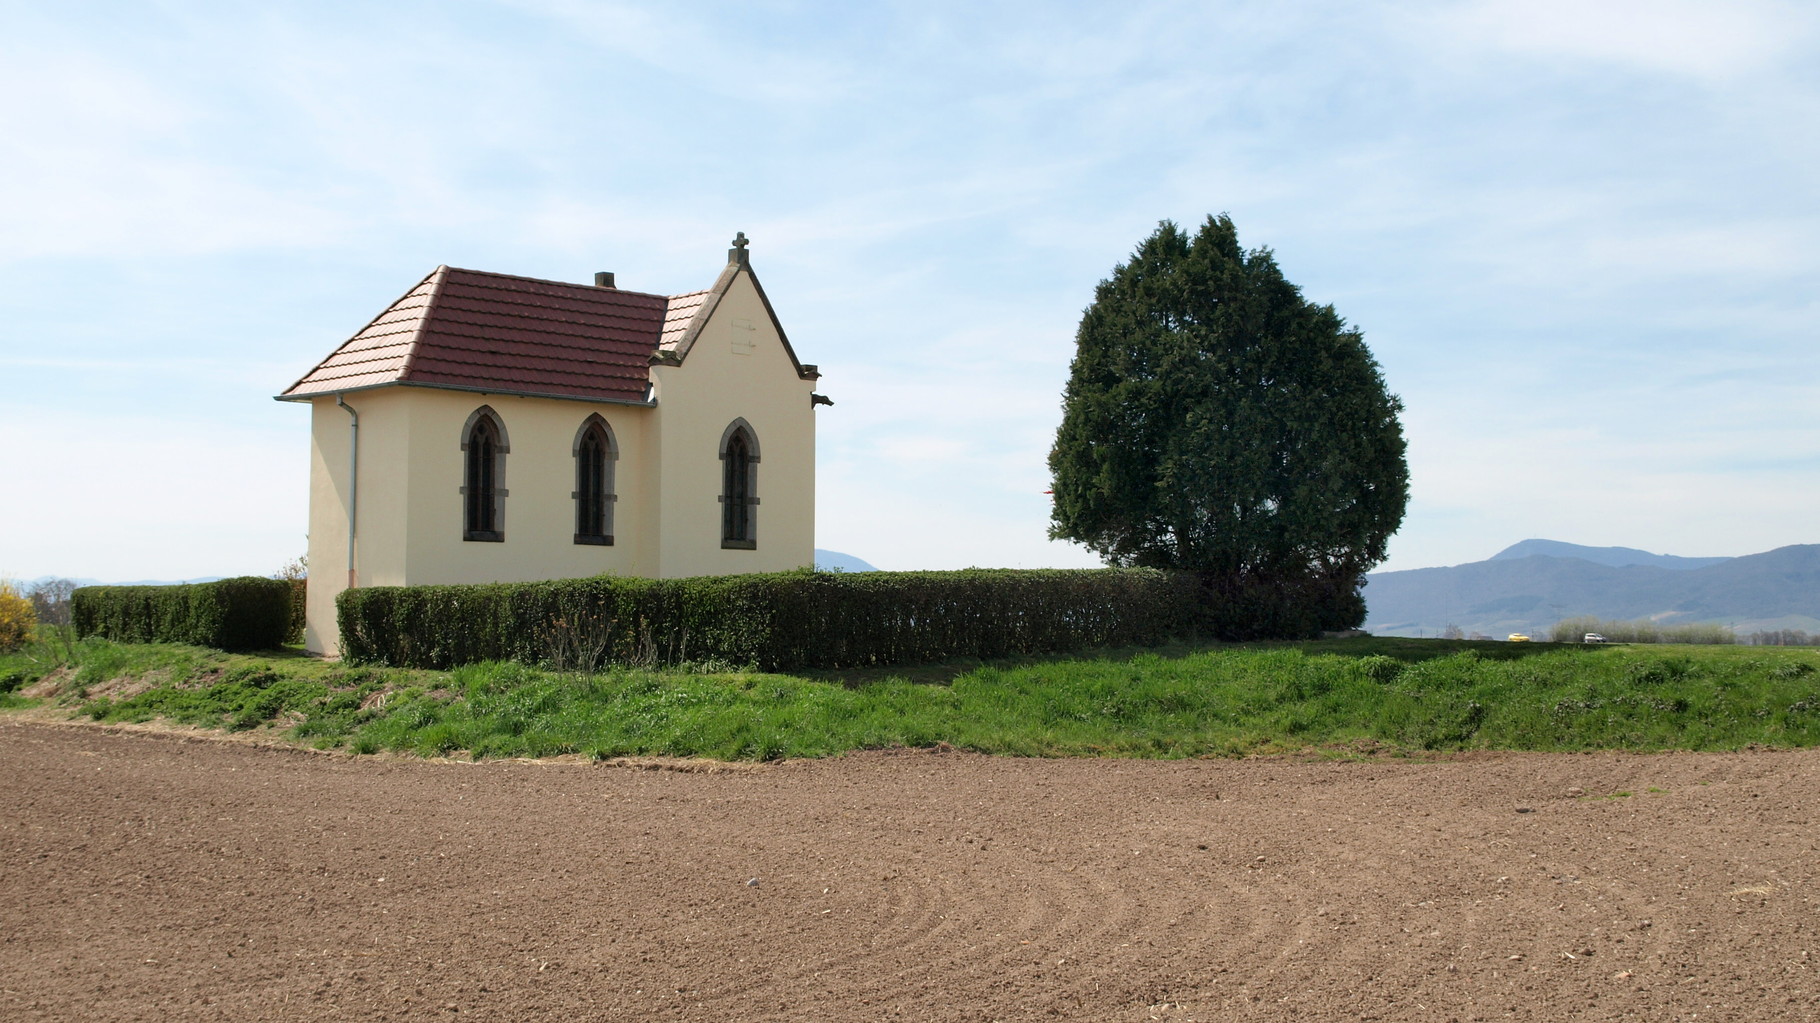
(699, 308)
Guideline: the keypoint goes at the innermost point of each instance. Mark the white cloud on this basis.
(719, 52)
(1680, 37)
(1559, 224)
(162, 371)
(99, 164)
(148, 496)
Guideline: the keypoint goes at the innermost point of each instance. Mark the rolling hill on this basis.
(835, 561)
(1531, 585)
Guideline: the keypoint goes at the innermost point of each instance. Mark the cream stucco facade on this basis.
(405, 466)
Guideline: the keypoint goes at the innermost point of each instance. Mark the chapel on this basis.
(493, 428)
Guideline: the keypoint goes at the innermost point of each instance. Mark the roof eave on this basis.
(329, 392)
(809, 372)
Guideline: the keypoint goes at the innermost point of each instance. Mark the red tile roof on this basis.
(476, 331)
(680, 315)
(471, 330)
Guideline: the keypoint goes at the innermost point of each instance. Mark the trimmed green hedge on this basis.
(801, 619)
(300, 592)
(245, 613)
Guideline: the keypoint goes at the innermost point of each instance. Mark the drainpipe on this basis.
(353, 480)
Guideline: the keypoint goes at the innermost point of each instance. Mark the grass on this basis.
(1398, 695)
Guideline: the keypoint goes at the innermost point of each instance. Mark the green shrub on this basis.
(299, 605)
(1284, 607)
(785, 619)
(297, 574)
(245, 613)
(13, 679)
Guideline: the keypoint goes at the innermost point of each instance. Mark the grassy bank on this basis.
(1397, 694)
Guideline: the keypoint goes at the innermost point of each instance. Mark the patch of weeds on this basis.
(716, 666)
(351, 678)
(1379, 667)
(1659, 672)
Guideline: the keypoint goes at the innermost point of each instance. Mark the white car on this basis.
(1593, 637)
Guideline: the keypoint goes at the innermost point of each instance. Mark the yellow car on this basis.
(1516, 637)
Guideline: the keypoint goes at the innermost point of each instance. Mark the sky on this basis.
(1582, 238)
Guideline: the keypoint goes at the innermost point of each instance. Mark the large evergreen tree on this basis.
(1216, 421)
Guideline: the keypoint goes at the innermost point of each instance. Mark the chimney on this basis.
(603, 279)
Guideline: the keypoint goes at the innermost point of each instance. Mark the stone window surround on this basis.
(609, 496)
(750, 540)
(498, 533)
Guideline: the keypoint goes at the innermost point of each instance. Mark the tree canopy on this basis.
(1216, 421)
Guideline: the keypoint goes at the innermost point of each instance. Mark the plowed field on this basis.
(153, 876)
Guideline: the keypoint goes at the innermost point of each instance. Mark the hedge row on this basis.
(799, 619)
(299, 621)
(246, 613)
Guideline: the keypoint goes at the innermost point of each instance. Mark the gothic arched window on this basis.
(739, 487)
(595, 453)
(483, 490)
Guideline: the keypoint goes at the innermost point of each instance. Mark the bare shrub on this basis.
(1783, 637)
(51, 600)
(578, 641)
(1574, 630)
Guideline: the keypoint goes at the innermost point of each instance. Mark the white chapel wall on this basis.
(539, 507)
(411, 505)
(737, 368)
(379, 543)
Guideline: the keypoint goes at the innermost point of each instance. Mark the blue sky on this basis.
(1582, 238)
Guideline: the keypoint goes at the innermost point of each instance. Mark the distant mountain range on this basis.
(1532, 585)
(1616, 557)
(29, 583)
(827, 561)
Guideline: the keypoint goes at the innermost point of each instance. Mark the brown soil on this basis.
(147, 876)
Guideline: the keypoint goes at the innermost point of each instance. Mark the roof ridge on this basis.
(393, 304)
(546, 280)
(575, 311)
(441, 275)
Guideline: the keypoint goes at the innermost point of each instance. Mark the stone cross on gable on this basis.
(737, 254)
